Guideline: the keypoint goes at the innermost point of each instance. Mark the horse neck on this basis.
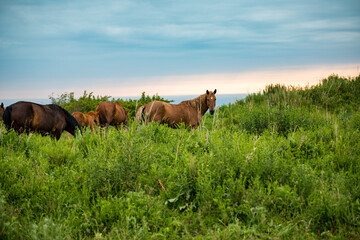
(199, 104)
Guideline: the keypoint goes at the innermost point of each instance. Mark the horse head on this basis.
(93, 117)
(211, 100)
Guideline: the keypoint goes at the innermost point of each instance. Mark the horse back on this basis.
(171, 114)
(182, 113)
(53, 118)
(48, 118)
(18, 115)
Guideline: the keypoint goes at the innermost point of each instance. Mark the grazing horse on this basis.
(112, 114)
(45, 119)
(188, 112)
(2, 109)
(87, 120)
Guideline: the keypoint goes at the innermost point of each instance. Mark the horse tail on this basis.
(139, 112)
(142, 116)
(71, 122)
(103, 120)
(7, 117)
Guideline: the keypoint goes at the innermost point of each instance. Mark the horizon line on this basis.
(180, 85)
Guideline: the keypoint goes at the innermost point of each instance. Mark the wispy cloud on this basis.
(68, 41)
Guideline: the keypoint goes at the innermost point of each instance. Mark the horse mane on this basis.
(70, 120)
(199, 103)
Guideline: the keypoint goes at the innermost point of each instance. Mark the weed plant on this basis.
(256, 169)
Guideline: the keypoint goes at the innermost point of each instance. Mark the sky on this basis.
(124, 47)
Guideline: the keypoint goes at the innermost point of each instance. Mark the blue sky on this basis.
(126, 47)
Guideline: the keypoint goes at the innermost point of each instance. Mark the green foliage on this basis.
(332, 94)
(88, 102)
(264, 168)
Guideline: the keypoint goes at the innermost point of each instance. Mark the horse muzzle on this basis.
(212, 112)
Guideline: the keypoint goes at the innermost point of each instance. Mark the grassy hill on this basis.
(282, 164)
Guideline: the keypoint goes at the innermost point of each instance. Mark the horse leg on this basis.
(57, 134)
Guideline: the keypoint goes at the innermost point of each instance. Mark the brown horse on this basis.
(112, 114)
(45, 119)
(2, 109)
(87, 120)
(189, 112)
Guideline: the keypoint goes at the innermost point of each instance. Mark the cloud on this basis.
(74, 41)
(347, 23)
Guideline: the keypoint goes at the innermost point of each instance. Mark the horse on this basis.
(189, 112)
(2, 109)
(111, 114)
(51, 119)
(87, 120)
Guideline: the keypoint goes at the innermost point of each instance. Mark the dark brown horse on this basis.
(189, 112)
(2, 109)
(45, 119)
(112, 114)
(87, 120)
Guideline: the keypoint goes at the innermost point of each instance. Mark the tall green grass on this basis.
(257, 169)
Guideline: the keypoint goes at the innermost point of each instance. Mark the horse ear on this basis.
(2, 105)
(207, 92)
(215, 91)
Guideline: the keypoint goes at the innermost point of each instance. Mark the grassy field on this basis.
(282, 164)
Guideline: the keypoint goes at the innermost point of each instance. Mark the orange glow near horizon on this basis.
(225, 83)
(235, 83)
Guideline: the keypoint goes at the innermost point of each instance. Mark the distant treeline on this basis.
(88, 102)
(332, 94)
